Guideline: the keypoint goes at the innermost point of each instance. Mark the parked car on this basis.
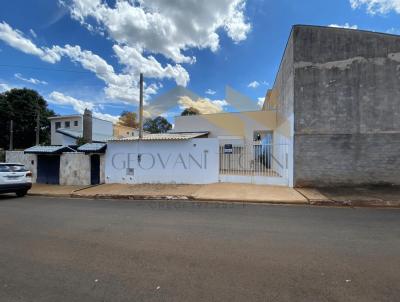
(15, 178)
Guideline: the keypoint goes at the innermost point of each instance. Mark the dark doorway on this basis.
(48, 169)
(95, 169)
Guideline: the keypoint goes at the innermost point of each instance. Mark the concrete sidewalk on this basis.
(228, 192)
(215, 192)
(54, 190)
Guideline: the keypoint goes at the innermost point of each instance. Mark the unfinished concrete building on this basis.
(337, 94)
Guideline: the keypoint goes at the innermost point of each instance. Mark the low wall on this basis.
(193, 161)
(28, 160)
(74, 169)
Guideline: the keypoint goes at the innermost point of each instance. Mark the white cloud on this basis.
(260, 102)
(142, 30)
(210, 92)
(79, 106)
(105, 116)
(205, 106)
(120, 87)
(393, 31)
(4, 87)
(16, 39)
(346, 25)
(32, 32)
(149, 66)
(377, 6)
(30, 80)
(165, 27)
(253, 84)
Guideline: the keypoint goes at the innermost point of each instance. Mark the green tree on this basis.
(157, 125)
(190, 111)
(81, 141)
(129, 119)
(21, 105)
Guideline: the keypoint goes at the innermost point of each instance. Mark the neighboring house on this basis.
(121, 131)
(66, 129)
(252, 148)
(230, 127)
(62, 164)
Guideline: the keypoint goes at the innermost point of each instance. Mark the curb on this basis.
(49, 195)
(312, 202)
(253, 201)
(358, 204)
(133, 197)
(170, 197)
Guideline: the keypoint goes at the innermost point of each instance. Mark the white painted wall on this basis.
(99, 126)
(193, 161)
(57, 138)
(102, 127)
(67, 140)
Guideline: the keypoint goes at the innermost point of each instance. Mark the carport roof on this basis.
(93, 148)
(48, 149)
(163, 136)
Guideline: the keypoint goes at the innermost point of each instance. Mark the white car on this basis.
(15, 178)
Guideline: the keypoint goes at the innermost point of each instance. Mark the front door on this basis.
(95, 169)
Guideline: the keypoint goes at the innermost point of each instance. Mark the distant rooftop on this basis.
(64, 116)
(96, 137)
(164, 136)
(74, 116)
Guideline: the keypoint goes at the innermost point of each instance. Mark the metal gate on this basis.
(95, 169)
(48, 169)
(254, 160)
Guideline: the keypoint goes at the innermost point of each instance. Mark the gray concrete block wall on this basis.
(74, 169)
(28, 160)
(347, 107)
(347, 159)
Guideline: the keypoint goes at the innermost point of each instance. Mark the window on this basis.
(58, 125)
(12, 168)
(76, 123)
(67, 124)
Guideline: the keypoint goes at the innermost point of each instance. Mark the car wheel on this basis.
(21, 193)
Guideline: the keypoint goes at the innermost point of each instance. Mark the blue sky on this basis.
(88, 53)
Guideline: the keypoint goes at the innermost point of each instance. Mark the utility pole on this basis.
(38, 128)
(11, 147)
(141, 107)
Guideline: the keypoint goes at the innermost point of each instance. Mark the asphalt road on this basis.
(99, 250)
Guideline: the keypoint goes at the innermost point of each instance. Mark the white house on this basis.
(65, 129)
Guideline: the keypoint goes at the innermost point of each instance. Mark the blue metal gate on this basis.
(48, 169)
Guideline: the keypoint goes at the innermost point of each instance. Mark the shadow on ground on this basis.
(368, 195)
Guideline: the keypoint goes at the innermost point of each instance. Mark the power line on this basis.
(49, 69)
